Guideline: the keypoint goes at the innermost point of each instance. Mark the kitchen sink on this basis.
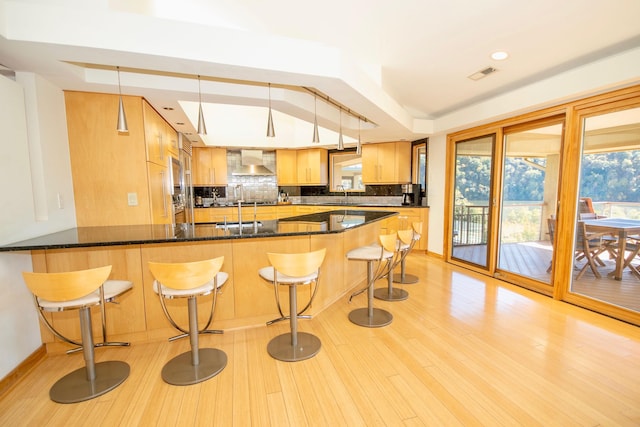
(249, 224)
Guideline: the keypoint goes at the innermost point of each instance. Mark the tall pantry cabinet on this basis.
(115, 181)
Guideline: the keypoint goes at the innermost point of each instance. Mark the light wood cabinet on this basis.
(386, 163)
(118, 178)
(173, 144)
(161, 139)
(202, 215)
(160, 194)
(262, 213)
(313, 166)
(287, 167)
(405, 218)
(108, 168)
(285, 211)
(209, 166)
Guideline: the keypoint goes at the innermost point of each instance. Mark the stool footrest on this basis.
(101, 344)
(280, 319)
(206, 331)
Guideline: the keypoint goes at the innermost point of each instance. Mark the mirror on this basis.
(346, 171)
(420, 166)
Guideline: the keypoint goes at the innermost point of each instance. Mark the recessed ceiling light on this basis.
(499, 55)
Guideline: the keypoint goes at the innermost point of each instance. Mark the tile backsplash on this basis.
(263, 188)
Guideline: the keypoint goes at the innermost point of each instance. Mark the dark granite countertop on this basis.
(337, 205)
(335, 221)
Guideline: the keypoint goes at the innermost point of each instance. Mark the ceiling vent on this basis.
(482, 73)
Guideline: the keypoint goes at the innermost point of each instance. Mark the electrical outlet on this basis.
(132, 199)
(60, 201)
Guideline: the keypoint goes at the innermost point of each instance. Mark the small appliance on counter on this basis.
(411, 195)
(283, 197)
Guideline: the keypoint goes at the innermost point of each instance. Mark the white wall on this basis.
(34, 169)
(437, 161)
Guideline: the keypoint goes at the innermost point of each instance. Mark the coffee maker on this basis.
(411, 195)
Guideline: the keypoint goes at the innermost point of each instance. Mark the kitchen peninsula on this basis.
(245, 300)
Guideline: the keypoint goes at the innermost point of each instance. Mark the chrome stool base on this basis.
(181, 371)
(407, 279)
(281, 347)
(378, 318)
(387, 294)
(75, 387)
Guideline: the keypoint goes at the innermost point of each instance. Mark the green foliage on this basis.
(612, 177)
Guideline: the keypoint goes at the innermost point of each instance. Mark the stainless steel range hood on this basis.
(251, 164)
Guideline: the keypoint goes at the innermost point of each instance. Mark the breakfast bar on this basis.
(245, 300)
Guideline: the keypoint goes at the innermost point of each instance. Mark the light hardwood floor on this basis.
(464, 350)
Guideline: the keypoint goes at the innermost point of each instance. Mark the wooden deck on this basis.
(532, 259)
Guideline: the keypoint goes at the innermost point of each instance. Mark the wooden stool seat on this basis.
(293, 270)
(190, 280)
(79, 290)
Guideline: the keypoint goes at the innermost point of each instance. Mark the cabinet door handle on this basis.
(161, 145)
(164, 194)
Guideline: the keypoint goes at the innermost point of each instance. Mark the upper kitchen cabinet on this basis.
(313, 166)
(108, 168)
(160, 138)
(287, 165)
(386, 163)
(209, 166)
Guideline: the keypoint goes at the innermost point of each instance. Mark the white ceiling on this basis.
(402, 64)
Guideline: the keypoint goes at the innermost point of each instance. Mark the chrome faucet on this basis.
(239, 189)
(346, 195)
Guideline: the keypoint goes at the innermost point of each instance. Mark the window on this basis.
(419, 168)
(346, 171)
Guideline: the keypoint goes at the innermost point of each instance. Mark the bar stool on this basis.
(390, 293)
(293, 270)
(78, 290)
(379, 260)
(190, 280)
(408, 238)
(109, 291)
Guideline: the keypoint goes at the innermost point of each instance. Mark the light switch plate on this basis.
(132, 199)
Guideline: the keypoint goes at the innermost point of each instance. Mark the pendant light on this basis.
(202, 128)
(340, 139)
(122, 118)
(359, 146)
(271, 133)
(316, 136)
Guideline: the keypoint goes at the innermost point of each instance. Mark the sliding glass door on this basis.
(529, 194)
(606, 265)
(550, 201)
(471, 204)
